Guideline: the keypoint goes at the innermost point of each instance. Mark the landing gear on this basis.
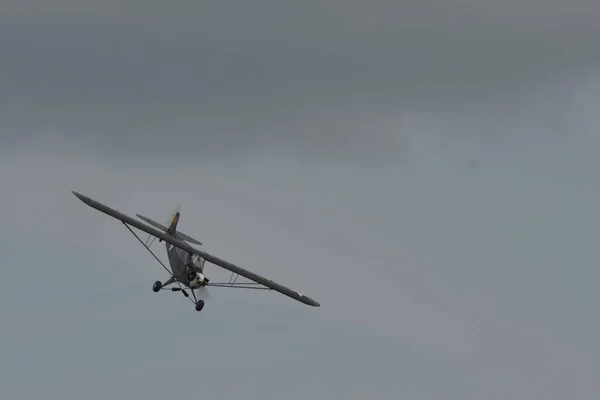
(159, 286)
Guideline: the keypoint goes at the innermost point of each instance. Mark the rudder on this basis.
(174, 221)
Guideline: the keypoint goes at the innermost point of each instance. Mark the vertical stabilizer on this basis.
(174, 221)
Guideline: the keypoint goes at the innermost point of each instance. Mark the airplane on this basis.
(186, 262)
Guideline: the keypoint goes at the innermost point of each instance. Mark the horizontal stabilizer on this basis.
(163, 228)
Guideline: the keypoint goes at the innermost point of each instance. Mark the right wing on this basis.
(208, 257)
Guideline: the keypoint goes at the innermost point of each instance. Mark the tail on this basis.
(172, 229)
(174, 221)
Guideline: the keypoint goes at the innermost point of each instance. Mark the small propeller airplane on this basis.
(186, 262)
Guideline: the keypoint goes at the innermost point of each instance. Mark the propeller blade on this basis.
(202, 293)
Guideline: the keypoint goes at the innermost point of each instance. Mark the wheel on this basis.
(199, 305)
(157, 286)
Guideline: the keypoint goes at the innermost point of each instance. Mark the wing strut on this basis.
(256, 286)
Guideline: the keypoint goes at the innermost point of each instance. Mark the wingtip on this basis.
(311, 302)
(82, 197)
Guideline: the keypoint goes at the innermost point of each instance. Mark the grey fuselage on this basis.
(177, 260)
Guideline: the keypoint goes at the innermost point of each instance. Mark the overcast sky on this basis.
(427, 173)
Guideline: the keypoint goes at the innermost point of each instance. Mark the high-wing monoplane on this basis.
(187, 263)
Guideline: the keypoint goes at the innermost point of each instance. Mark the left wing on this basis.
(208, 257)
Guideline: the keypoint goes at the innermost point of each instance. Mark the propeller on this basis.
(202, 293)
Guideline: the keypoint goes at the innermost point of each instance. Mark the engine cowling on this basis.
(197, 281)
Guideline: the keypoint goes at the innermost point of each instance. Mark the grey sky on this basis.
(326, 145)
(223, 75)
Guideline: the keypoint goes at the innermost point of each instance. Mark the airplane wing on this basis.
(208, 257)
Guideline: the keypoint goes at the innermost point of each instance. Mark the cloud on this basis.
(491, 267)
(468, 234)
(230, 76)
(467, 264)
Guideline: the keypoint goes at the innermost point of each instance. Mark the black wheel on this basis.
(157, 286)
(199, 305)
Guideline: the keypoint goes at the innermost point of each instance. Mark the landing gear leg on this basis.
(199, 302)
(158, 285)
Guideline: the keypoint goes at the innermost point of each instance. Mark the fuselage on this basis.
(184, 267)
